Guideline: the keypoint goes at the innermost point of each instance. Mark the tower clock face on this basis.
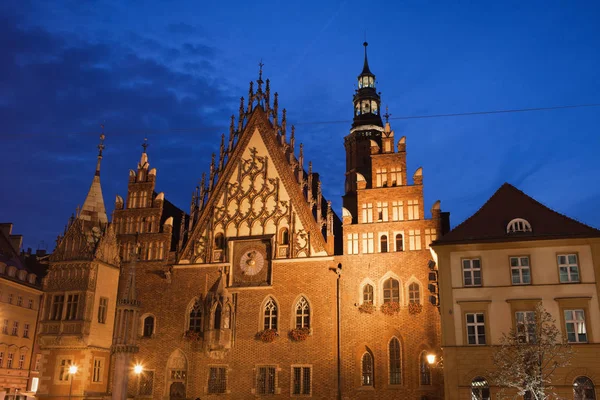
(252, 261)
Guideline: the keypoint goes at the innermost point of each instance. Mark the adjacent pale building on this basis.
(493, 269)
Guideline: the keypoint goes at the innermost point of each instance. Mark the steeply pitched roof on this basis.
(93, 208)
(489, 223)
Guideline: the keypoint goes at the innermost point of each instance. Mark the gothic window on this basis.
(391, 291)
(148, 326)
(219, 241)
(480, 389)
(270, 315)
(367, 294)
(399, 242)
(384, 243)
(218, 313)
(195, 321)
(583, 389)
(285, 236)
(302, 314)
(414, 295)
(424, 369)
(518, 225)
(395, 369)
(367, 369)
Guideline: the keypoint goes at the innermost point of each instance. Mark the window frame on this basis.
(425, 377)
(102, 310)
(472, 271)
(306, 314)
(98, 370)
(303, 368)
(520, 268)
(145, 373)
(575, 321)
(222, 387)
(526, 325)
(267, 388)
(476, 324)
(582, 395)
(273, 316)
(568, 266)
(367, 372)
(573, 303)
(395, 364)
(411, 292)
(391, 290)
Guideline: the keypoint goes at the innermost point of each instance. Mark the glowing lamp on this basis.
(431, 358)
(73, 369)
(138, 369)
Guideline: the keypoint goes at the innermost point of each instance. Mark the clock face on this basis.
(252, 261)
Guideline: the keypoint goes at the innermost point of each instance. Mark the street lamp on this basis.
(138, 369)
(431, 358)
(72, 371)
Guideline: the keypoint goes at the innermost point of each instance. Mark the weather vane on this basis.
(145, 144)
(101, 145)
(387, 115)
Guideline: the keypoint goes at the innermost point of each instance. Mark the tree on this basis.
(529, 355)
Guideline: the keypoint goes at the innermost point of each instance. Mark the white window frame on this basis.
(567, 266)
(519, 267)
(398, 210)
(381, 177)
(368, 246)
(577, 321)
(430, 236)
(472, 270)
(367, 213)
(413, 209)
(396, 176)
(414, 239)
(476, 325)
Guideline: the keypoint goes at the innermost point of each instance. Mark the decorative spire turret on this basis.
(366, 100)
(100, 149)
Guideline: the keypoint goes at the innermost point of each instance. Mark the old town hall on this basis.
(260, 288)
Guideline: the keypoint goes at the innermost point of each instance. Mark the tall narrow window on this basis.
(149, 326)
(583, 389)
(575, 321)
(525, 321)
(9, 360)
(367, 211)
(270, 315)
(1, 359)
(265, 380)
(480, 389)
(15, 328)
(367, 369)
(395, 371)
(102, 310)
(5, 327)
(98, 370)
(383, 243)
(219, 241)
(396, 175)
(72, 305)
(196, 317)
(471, 272)
(399, 242)
(519, 270)
(26, 330)
(302, 314)
(381, 175)
(475, 328)
(425, 370)
(414, 293)
(397, 211)
(413, 209)
(367, 243)
(285, 236)
(218, 313)
(367, 294)
(63, 370)
(57, 307)
(352, 243)
(391, 291)
(21, 361)
(302, 378)
(414, 239)
(217, 380)
(19, 301)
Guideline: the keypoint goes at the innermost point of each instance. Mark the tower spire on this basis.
(93, 207)
(100, 149)
(366, 70)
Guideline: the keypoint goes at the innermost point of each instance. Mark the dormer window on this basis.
(518, 225)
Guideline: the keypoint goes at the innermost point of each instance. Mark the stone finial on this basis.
(418, 176)
(222, 152)
(231, 134)
(275, 108)
(250, 97)
(267, 96)
(101, 148)
(241, 117)
(202, 190)
(212, 172)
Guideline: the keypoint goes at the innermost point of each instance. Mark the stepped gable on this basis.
(489, 223)
(259, 123)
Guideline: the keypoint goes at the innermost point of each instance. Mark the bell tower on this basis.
(365, 135)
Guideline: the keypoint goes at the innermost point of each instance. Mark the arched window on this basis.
(285, 236)
(219, 241)
(270, 315)
(414, 293)
(302, 314)
(395, 369)
(583, 389)
(518, 225)
(218, 312)
(424, 369)
(367, 294)
(480, 390)
(399, 242)
(367, 369)
(384, 243)
(148, 326)
(391, 291)
(195, 321)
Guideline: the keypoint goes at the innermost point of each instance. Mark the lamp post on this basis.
(72, 372)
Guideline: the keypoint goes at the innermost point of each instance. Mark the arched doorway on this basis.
(177, 391)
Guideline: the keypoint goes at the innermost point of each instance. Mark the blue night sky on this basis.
(174, 72)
